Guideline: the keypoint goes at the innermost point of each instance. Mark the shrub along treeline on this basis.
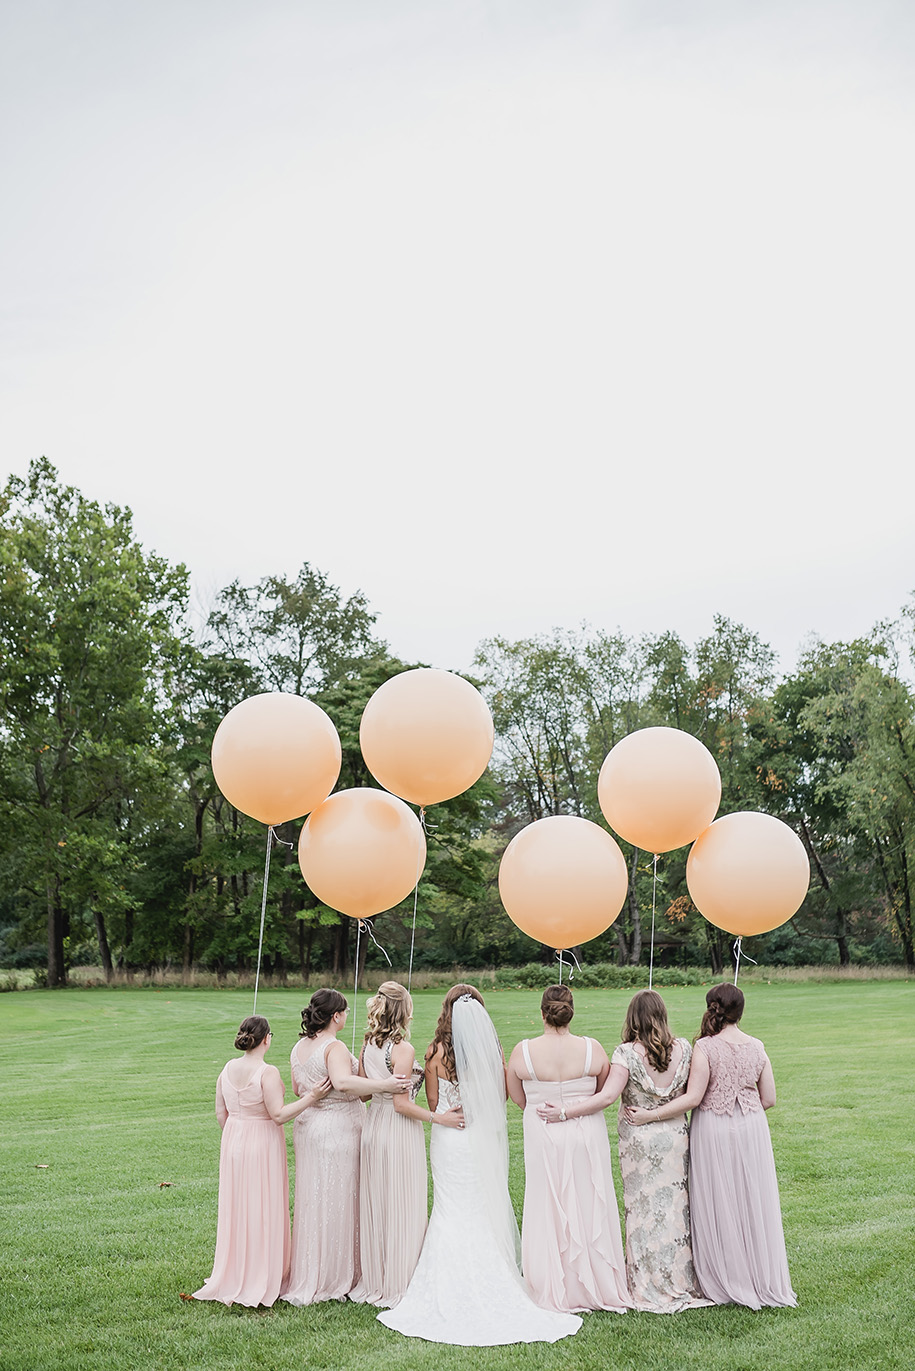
(117, 848)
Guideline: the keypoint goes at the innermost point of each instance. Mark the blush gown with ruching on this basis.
(738, 1240)
(325, 1226)
(465, 1290)
(252, 1229)
(654, 1161)
(571, 1245)
(392, 1190)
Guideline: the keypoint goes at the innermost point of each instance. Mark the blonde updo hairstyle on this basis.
(251, 1032)
(390, 1011)
(557, 1006)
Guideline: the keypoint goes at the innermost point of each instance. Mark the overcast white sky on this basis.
(511, 314)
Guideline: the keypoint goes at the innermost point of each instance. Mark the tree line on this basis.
(117, 847)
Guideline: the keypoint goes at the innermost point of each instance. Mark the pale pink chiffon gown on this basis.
(571, 1244)
(738, 1241)
(252, 1228)
(393, 1189)
(325, 1226)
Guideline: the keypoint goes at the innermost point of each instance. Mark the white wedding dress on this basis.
(467, 1289)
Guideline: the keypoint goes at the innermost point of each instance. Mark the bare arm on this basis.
(615, 1084)
(273, 1097)
(402, 1059)
(431, 1078)
(342, 1078)
(766, 1086)
(222, 1112)
(696, 1087)
(513, 1081)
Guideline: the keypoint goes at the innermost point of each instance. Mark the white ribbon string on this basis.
(737, 956)
(260, 941)
(367, 925)
(654, 886)
(559, 955)
(574, 959)
(356, 982)
(422, 820)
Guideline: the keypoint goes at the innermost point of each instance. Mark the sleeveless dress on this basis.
(325, 1226)
(392, 1190)
(738, 1241)
(252, 1229)
(654, 1161)
(571, 1245)
(465, 1291)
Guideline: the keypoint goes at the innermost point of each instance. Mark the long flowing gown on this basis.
(654, 1161)
(738, 1241)
(465, 1290)
(252, 1228)
(325, 1225)
(571, 1245)
(392, 1191)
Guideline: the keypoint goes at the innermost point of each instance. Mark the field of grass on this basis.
(108, 1178)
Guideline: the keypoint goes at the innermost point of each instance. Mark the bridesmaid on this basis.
(649, 1068)
(571, 1246)
(252, 1230)
(393, 1181)
(325, 1226)
(738, 1242)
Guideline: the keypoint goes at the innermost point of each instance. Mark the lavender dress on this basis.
(738, 1242)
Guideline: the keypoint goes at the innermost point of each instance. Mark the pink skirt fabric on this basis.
(252, 1229)
(738, 1242)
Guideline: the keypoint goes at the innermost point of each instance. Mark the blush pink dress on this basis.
(571, 1244)
(252, 1228)
(325, 1226)
(738, 1241)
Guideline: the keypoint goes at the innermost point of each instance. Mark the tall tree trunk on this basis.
(635, 919)
(104, 949)
(187, 955)
(57, 967)
(341, 957)
(841, 915)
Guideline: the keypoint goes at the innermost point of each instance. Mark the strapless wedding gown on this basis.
(465, 1291)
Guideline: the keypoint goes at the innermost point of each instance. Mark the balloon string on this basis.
(367, 925)
(574, 959)
(559, 955)
(738, 953)
(654, 887)
(260, 941)
(356, 982)
(422, 820)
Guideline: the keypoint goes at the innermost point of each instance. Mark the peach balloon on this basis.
(659, 788)
(563, 880)
(276, 756)
(426, 735)
(748, 873)
(362, 851)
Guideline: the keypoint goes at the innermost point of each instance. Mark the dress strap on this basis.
(526, 1052)
(588, 1054)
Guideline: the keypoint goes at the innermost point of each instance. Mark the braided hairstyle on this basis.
(725, 1005)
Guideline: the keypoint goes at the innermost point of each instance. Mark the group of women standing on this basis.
(700, 1230)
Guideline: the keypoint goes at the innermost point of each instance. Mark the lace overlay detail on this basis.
(449, 1095)
(734, 1069)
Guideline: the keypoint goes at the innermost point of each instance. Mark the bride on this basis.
(467, 1287)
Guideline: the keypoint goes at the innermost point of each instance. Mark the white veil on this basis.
(481, 1077)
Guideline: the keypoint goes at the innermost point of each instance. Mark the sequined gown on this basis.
(252, 1227)
(654, 1161)
(571, 1245)
(392, 1190)
(325, 1227)
(738, 1241)
(465, 1291)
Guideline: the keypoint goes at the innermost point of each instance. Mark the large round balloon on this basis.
(276, 757)
(748, 873)
(426, 735)
(563, 880)
(659, 788)
(362, 851)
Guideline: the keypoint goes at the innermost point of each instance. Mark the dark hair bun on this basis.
(251, 1031)
(557, 1006)
(319, 1011)
(245, 1041)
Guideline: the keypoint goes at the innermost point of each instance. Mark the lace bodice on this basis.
(640, 1090)
(449, 1095)
(734, 1069)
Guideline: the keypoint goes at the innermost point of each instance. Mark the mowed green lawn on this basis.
(108, 1176)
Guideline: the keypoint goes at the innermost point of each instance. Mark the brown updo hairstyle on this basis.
(442, 1037)
(251, 1032)
(319, 1011)
(725, 1005)
(646, 1023)
(557, 1006)
(390, 1012)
